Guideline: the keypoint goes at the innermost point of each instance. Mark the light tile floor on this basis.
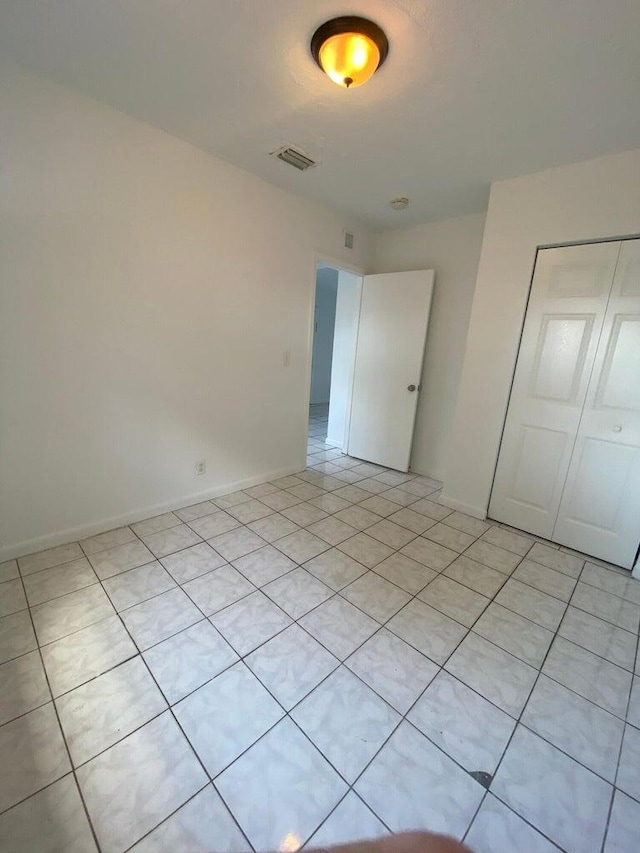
(330, 656)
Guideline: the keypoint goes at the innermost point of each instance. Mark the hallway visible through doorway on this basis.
(318, 420)
(335, 329)
(318, 451)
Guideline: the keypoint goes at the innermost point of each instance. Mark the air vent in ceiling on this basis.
(348, 240)
(294, 157)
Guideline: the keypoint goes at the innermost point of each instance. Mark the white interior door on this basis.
(600, 509)
(557, 352)
(392, 330)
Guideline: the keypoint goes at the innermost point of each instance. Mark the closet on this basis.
(569, 463)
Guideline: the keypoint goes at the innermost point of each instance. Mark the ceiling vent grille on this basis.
(294, 157)
(348, 240)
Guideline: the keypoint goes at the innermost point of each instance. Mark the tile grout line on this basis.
(335, 593)
(177, 723)
(169, 708)
(164, 820)
(518, 719)
(403, 716)
(350, 790)
(462, 553)
(287, 713)
(62, 735)
(624, 731)
(520, 723)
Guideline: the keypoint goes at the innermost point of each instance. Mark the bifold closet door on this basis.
(564, 320)
(599, 512)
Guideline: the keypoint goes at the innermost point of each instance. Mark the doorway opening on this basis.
(369, 336)
(335, 333)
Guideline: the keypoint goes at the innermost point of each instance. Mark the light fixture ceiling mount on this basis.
(401, 203)
(349, 50)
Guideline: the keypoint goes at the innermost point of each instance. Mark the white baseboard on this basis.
(420, 473)
(468, 509)
(335, 442)
(72, 534)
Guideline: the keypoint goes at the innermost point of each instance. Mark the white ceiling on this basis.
(472, 91)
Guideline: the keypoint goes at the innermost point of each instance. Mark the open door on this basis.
(394, 316)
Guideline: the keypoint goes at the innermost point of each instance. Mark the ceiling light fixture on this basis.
(400, 203)
(349, 50)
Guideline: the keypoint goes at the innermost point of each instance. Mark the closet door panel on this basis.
(559, 341)
(600, 509)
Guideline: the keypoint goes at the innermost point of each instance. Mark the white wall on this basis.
(585, 201)
(325, 321)
(452, 248)
(147, 293)
(344, 355)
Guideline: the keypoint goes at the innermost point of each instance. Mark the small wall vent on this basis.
(294, 157)
(348, 240)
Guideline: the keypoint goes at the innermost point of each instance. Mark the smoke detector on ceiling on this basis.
(294, 157)
(400, 203)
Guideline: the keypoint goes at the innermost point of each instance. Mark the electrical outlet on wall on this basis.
(201, 467)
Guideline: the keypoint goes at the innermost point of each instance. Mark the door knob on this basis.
(617, 428)
(411, 387)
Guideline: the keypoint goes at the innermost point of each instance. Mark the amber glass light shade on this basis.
(349, 59)
(349, 50)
